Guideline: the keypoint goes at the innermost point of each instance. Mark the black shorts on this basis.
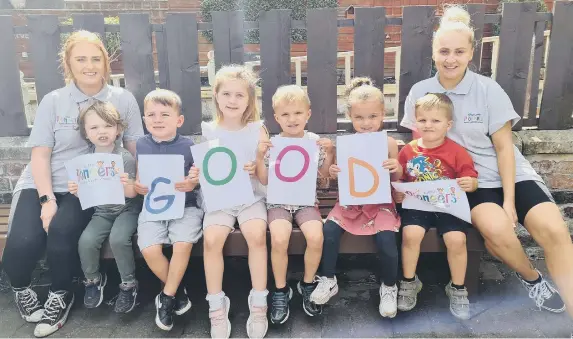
(528, 194)
(443, 222)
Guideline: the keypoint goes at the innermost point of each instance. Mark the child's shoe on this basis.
(459, 303)
(408, 294)
(126, 298)
(326, 289)
(280, 306)
(257, 324)
(164, 305)
(182, 302)
(220, 324)
(388, 301)
(94, 291)
(308, 306)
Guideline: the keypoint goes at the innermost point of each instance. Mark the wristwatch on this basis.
(45, 198)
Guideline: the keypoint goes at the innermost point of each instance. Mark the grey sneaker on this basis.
(544, 294)
(388, 301)
(408, 294)
(459, 303)
(257, 324)
(220, 324)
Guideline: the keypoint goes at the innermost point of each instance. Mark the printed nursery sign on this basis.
(444, 196)
(160, 172)
(224, 182)
(98, 178)
(362, 180)
(293, 166)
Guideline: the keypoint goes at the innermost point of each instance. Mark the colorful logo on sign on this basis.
(440, 196)
(97, 171)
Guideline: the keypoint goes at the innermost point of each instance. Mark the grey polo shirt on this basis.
(481, 107)
(56, 124)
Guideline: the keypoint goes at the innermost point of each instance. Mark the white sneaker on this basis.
(257, 324)
(220, 323)
(326, 289)
(388, 301)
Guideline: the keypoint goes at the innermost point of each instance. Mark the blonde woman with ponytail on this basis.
(509, 189)
(48, 219)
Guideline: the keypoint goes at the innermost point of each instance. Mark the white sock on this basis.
(216, 301)
(258, 298)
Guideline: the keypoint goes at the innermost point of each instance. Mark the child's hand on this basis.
(186, 185)
(263, 148)
(398, 196)
(73, 187)
(326, 144)
(194, 175)
(250, 167)
(468, 184)
(124, 178)
(333, 171)
(392, 165)
(141, 189)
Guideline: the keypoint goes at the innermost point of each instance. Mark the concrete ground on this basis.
(502, 308)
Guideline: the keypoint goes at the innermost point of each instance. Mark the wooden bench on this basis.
(350, 244)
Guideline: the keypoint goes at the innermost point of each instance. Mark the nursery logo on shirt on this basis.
(97, 171)
(473, 118)
(437, 197)
(66, 121)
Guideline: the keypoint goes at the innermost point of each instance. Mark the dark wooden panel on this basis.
(90, 22)
(369, 36)
(184, 71)
(136, 47)
(162, 61)
(275, 59)
(557, 101)
(535, 71)
(477, 13)
(322, 79)
(11, 105)
(44, 46)
(515, 38)
(228, 37)
(416, 54)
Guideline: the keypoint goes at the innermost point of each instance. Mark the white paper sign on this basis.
(293, 166)
(160, 172)
(444, 196)
(362, 180)
(224, 182)
(98, 178)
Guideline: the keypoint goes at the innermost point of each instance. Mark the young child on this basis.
(365, 108)
(435, 157)
(292, 111)
(162, 116)
(100, 124)
(237, 114)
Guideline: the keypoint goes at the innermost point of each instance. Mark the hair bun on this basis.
(454, 14)
(358, 82)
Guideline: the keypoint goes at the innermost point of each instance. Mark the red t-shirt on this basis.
(447, 161)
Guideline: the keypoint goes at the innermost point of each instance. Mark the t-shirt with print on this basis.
(56, 126)
(481, 108)
(447, 161)
(179, 145)
(130, 203)
(321, 157)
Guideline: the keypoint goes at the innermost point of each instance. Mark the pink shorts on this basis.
(300, 216)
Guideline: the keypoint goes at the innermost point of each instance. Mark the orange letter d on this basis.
(353, 161)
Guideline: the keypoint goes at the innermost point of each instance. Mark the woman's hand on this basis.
(509, 208)
(73, 187)
(333, 171)
(49, 210)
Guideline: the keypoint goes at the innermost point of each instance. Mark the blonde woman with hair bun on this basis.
(509, 190)
(47, 219)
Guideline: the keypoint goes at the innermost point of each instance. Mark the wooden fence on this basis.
(178, 62)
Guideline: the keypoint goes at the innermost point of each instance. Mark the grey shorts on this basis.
(187, 229)
(300, 216)
(227, 218)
